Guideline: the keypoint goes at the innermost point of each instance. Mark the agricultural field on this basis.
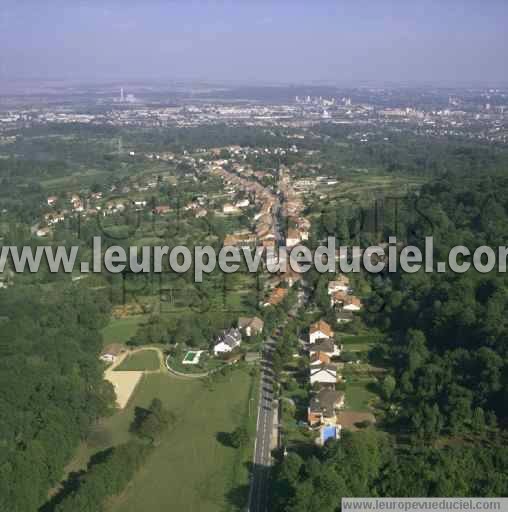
(360, 187)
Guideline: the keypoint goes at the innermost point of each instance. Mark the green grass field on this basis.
(191, 470)
(358, 338)
(146, 360)
(358, 343)
(358, 397)
(120, 330)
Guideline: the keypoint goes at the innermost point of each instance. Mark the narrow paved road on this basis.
(260, 482)
(258, 498)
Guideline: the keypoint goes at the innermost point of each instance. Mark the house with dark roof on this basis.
(227, 341)
(326, 346)
(323, 407)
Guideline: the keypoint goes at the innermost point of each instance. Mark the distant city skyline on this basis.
(383, 41)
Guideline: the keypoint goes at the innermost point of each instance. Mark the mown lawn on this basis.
(120, 330)
(358, 397)
(193, 469)
(366, 339)
(145, 360)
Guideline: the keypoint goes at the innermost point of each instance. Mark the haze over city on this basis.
(366, 41)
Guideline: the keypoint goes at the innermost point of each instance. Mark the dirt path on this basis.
(125, 382)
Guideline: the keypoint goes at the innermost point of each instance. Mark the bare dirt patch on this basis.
(124, 383)
(350, 419)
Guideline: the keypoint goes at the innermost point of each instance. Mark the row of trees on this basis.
(107, 475)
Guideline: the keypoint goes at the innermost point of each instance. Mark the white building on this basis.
(230, 209)
(111, 352)
(320, 330)
(323, 374)
(227, 341)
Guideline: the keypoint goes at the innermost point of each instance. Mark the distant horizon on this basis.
(172, 82)
(263, 42)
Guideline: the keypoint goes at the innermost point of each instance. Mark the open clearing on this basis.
(350, 420)
(358, 397)
(192, 470)
(145, 360)
(122, 329)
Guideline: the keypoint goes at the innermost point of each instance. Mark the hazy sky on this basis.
(256, 40)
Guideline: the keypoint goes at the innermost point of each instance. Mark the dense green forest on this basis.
(51, 386)
(367, 463)
(446, 333)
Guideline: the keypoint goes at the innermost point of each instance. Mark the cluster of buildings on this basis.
(256, 195)
(298, 226)
(342, 299)
(136, 196)
(480, 114)
(230, 339)
(324, 375)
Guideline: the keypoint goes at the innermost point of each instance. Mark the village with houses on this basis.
(259, 208)
(280, 389)
(299, 336)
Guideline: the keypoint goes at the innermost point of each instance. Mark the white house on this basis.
(319, 330)
(304, 234)
(227, 341)
(42, 232)
(323, 374)
(111, 352)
